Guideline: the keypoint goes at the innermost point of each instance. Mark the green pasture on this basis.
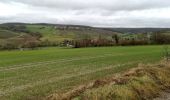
(34, 74)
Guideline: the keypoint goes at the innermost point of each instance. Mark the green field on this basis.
(39, 73)
(52, 34)
(7, 34)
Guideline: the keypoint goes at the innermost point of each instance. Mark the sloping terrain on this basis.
(56, 32)
(35, 74)
(21, 35)
(67, 33)
(42, 35)
(4, 34)
(143, 83)
(137, 30)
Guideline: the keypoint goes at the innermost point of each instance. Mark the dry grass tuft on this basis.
(144, 82)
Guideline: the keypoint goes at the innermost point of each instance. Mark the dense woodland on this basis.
(20, 36)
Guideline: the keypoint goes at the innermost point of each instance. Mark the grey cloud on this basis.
(110, 13)
(5, 18)
(115, 5)
(98, 22)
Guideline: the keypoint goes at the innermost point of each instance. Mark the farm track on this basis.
(56, 79)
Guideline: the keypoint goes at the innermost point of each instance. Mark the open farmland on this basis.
(38, 73)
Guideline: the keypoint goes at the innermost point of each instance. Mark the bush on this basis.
(160, 38)
(8, 46)
(133, 42)
(91, 43)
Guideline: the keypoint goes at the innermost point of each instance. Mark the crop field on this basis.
(34, 74)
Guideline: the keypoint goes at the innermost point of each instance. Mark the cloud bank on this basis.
(101, 13)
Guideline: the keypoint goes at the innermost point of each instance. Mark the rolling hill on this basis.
(55, 32)
(26, 35)
(137, 30)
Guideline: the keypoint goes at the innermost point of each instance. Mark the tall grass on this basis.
(145, 85)
(142, 83)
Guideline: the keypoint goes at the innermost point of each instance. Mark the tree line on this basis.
(32, 41)
(155, 38)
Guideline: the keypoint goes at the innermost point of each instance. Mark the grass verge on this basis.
(142, 83)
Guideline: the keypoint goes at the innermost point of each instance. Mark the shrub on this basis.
(160, 38)
(92, 43)
(133, 42)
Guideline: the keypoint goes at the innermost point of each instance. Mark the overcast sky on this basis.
(102, 13)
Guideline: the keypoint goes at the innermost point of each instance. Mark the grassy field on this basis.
(7, 34)
(52, 34)
(38, 73)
